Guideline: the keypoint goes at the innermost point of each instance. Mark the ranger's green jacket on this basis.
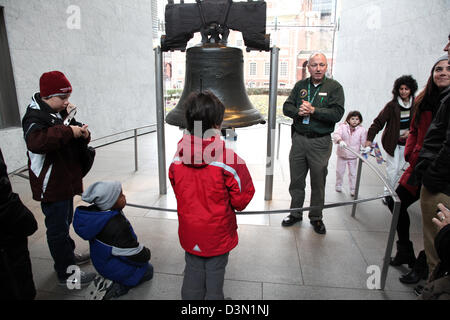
(328, 103)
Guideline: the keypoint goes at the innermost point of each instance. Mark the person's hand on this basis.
(405, 134)
(443, 217)
(342, 144)
(77, 131)
(366, 149)
(85, 131)
(303, 111)
(368, 143)
(306, 109)
(70, 107)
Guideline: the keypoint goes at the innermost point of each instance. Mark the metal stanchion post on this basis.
(278, 142)
(160, 120)
(390, 243)
(358, 181)
(274, 53)
(135, 151)
(395, 214)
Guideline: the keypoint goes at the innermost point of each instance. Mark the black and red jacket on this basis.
(413, 146)
(53, 153)
(434, 157)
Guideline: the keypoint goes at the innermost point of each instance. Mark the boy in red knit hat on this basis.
(54, 153)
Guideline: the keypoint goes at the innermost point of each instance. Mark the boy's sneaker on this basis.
(115, 291)
(98, 288)
(82, 258)
(418, 289)
(85, 279)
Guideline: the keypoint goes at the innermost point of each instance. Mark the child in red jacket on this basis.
(210, 182)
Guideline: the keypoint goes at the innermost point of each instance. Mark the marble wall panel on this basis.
(108, 57)
(379, 41)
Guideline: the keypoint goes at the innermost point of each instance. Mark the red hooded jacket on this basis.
(210, 182)
(413, 146)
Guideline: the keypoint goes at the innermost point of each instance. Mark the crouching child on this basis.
(116, 254)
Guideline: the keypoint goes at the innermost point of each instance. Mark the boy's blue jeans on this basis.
(58, 217)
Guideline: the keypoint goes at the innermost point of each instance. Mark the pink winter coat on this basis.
(353, 139)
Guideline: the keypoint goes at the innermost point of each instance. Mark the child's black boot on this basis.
(418, 272)
(405, 254)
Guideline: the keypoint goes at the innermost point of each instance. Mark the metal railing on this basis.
(20, 171)
(354, 203)
(395, 211)
(269, 163)
(134, 136)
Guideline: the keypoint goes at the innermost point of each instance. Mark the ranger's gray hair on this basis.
(316, 53)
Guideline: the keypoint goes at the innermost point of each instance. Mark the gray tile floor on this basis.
(270, 262)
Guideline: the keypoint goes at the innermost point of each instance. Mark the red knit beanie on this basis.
(54, 83)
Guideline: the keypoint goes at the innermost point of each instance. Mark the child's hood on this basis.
(197, 152)
(89, 221)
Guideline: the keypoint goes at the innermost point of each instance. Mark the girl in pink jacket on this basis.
(352, 135)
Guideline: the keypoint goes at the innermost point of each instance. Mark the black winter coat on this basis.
(16, 221)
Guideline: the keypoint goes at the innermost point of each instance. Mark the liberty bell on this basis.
(219, 69)
(212, 65)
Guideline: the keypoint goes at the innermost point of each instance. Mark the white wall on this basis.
(109, 60)
(379, 41)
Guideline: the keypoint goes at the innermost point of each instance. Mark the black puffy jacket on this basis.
(16, 221)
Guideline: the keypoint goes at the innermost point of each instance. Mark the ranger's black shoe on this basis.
(290, 220)
(319, 227)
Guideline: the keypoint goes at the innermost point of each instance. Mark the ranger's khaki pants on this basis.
(309, 154)
(428, 204)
